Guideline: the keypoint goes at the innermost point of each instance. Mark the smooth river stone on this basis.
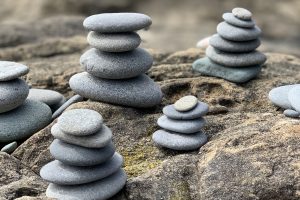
(242, 13)
(279, 96)
(235, 47)
(9, 148)
(231, 19)
(13, 94)
(291, 113)
(178, 141)
(80, 156)
(181, 126)
(236, 74)
(116, 65)
(294, 98)
(102, 189)
(12, 70)
(80, 122)
(62, 174)
(117, 22)
(235, 60)
(138, 92)
(97, 140)
(49, 97)
(234, 33)
(200, 110)
(24, 121)
(114, 42)
(186, 103)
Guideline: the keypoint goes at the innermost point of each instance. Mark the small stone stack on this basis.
(231, 54)
(182, 122)
(86, 165)
(115, 67)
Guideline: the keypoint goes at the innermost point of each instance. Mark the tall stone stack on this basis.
(86, 166)
(115, 66)
(232, 52)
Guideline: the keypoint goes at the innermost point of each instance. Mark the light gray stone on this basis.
(49, 97)
(74, 99)
(294, 97)
(11, 70)
(9, 148)
(279, 96)
(186, 103)
(231, 19)
(291, 113)
(242, 13)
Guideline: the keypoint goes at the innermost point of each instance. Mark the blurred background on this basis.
(177, 24)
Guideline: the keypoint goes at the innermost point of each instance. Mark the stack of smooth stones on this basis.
(182, 123)
(231, 54)
(86, 165)
(115, 67)
(288, 98)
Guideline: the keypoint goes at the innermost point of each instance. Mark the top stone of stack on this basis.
(11, 70)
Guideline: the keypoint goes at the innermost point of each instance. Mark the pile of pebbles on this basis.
(182, 123)
(115, 67)
(231, 53)
(86, 165)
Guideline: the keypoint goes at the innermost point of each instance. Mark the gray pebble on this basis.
(117, 22)
(279, 96)
(13, 94)
(291, 113)
(11, 70)
(231, 19)
(114, 42)
(72, 100)
(49, 97)
(242, 13)
(116, 65)
(294, 97)
(186, 103)
(179, 142)
(80, 156)
(136, 92)
(9, 148)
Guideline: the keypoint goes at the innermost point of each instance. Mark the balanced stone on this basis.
(139, 92)
(181, 126)
(178, 141)
(242, 13)
(102, 189)
(114, 42)
(13, 94)
(24, 121)
(80, 156)
(291, 113)
(49, 97)
(97, 140)
(186, 103)
(12, 70)
(279, 96)
(9, 148)
(80, 122)
(116, 65)
(62, 174)
(231, 19)
(117, 22)
(294, 97)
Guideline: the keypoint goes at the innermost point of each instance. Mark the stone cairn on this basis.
(231, 54)
(182, 122)
(86, 165)
(115, 67)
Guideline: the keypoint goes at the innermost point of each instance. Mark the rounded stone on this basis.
(114, 42)
(242, 13)
(181, 126)
(186, 103)
(11, 70)
(9, 148)
(48, 97)
(116, 65)
(80, 156)
(235, 60)
(200, 110)
(231, 19)
(24, 121)
(62, 108)
(294, 97)
(97, 140)
(137, 92)
(279, 96)
(291, 113)
(13, 94)
(234, 33)
(181, 142)
(62, 174)
(234, 47)
(102, 189)
(80, 122)
(117, 22)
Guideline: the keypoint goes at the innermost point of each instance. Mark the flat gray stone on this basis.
(80, 122)
(13, 94)
(74, 99)
(291, 113)
(49, 97)
(234, 74)
(9, 148)
(62, 174)
(97, 140)
(24, 121)
(117, 22)
(114, 42)
(71, 154)
(181, 126)
(12, 70)
(181, 142)
(242, 13)
(231, 19)
(102, 189)
(235, 59)
(234, 47)
(234, 33)
(294, 97)
(116, 65)
(200, 110)
(279, 96)
(185, 103)
(138, 92)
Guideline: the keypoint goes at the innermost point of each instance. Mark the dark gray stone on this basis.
(291, 113)
(48, 97)
(231, 19)
(242, 13)
(279, 96)
(294, 97)
(11, 70)
(60, 110)
(9, 148)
